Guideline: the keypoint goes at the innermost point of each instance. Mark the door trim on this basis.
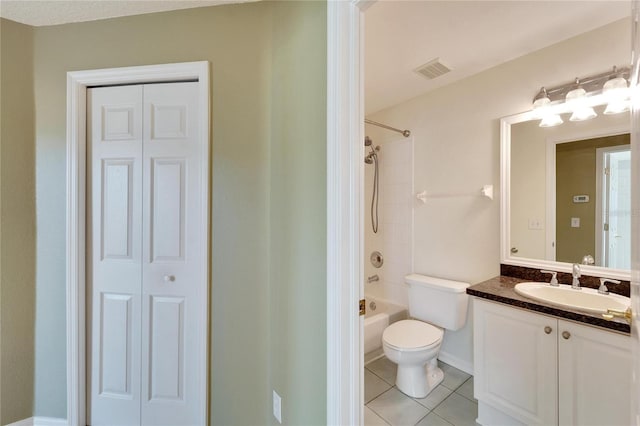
(77, 83)
(345, 213)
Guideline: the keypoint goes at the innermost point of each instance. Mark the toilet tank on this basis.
(438, 301)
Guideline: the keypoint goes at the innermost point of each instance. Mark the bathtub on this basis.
(380, 313)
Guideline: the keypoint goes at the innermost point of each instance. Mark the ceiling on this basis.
(400, 35)
(467, 36)
(56, 12)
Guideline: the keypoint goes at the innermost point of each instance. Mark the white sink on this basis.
(585, 300)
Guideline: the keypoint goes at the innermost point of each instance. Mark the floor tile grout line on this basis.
(440, 403)
(432, 410)
(378, 395)
(379, 416)
(475, 401)
(435, 414)
(381, 378)
(429, 410)
(421, 418)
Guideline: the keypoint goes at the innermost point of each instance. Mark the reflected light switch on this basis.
(575, 222)
(535, 224)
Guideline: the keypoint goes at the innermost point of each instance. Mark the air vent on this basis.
(432, 69)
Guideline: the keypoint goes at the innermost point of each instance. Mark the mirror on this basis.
(566, 193)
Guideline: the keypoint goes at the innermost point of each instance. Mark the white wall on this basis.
(457, 150)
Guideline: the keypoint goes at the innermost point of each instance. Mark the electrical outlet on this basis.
(277, 407)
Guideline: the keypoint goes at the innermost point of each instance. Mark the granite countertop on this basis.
(501, 289)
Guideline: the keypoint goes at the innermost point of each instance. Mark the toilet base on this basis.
(417, 380)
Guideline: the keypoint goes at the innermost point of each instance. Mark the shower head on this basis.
(370, 157)
(367, 141)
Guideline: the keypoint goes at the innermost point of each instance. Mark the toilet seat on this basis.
(411, 335)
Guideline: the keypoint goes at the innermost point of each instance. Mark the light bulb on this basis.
(616, 92)
(541, 103)
(583, 113)
(616, 107)
(550, 120)
(576, 99)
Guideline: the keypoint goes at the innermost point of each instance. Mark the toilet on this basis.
(435, 304)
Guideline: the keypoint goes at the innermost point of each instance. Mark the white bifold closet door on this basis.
(144, 260)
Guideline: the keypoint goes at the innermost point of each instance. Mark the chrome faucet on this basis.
(603, 288)
(554, 278)
(575, 284)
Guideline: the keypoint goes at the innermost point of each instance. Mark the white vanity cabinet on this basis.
(594, 376)
(533, 369)
(515, 365)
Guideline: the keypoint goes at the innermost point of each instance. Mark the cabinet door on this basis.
(594, 376)
(515, 362)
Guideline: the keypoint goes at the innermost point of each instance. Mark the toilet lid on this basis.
(411, 334)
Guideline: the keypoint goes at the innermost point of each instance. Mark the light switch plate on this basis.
(575, 222)
(535, 224)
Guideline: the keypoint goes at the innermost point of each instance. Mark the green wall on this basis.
(17, 221)
(298, 212)
(268, 73)
(576, 174)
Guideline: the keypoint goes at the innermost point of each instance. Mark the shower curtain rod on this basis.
(405, 133)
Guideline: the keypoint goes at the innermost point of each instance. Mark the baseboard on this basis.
(41, 421)
(25, 422)
(49, 421)
(373, 356)
(456, 362)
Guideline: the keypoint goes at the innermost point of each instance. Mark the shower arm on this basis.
(405, 133)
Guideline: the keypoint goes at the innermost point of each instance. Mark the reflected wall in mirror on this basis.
(570, 191)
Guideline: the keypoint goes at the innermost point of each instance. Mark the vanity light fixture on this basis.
(580, 96)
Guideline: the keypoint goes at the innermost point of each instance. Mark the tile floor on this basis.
(450, 403)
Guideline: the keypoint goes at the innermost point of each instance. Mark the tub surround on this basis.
(501, 289)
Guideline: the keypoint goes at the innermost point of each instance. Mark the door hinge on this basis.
(606, 226)
(363, 308)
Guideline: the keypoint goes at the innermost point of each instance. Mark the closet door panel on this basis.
(167, 209)
(114, 254)
(117, 209)
(167, 349)
(116, 328)
(172, 257)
